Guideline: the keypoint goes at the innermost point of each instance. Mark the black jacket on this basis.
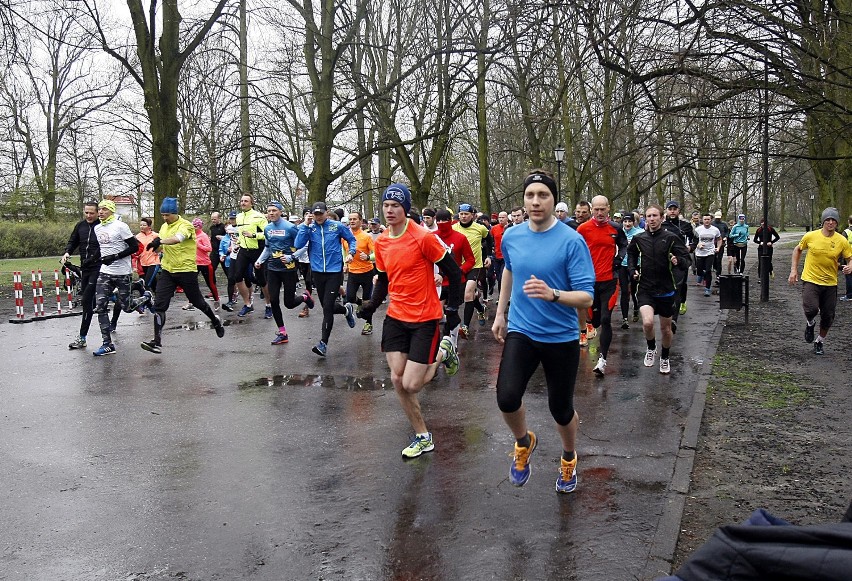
(766, 547)
(649, 253)
(83, 237)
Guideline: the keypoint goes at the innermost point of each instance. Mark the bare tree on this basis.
(155, 65)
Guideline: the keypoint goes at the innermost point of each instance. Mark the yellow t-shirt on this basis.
(824, 253)
(178, 257)
(475, 234)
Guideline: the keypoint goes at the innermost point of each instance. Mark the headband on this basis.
(542, 179)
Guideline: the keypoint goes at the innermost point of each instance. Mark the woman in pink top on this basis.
(202, 260)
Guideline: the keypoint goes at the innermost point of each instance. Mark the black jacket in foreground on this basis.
(650, 253)
(83, 237)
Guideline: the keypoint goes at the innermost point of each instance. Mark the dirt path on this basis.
(776, 431)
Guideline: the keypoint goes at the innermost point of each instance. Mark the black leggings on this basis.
(328, 289)
(602, 313)
(207, 272)
(88, 286)
(305, 271)
(628, 291)
(364, 281)
(521, 357)
(739, 258)
(282, 279)
(166, 285)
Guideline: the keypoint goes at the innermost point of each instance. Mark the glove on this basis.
(365, 310)
(616, 264)
(109, 259)
(453, 319)
(153, 244)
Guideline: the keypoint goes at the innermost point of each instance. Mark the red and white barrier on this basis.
(38, 295)
(58, 292)
(19, 295)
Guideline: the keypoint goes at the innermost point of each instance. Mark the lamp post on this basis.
(559, 154)
(811, 219)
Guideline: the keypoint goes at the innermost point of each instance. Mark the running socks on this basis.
(525, 441)
(652, 344)
(568, 456)
(664, 352)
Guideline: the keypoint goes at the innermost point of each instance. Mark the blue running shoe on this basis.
(320, 348)
(519, 473)
(350, 315)
(280, 339)
(106, 349)
(567, 481)
(245, 310)
(267, 313)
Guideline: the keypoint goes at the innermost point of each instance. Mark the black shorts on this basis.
(473, 274)
(663, 306)
(419, 340)
(730, 248)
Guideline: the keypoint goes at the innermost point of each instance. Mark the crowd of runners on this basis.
(552, 279)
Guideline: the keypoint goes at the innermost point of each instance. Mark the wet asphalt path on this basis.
(233, 459)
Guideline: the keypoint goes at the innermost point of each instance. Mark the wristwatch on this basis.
(555, 296)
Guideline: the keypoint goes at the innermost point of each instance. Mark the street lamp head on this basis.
(559, 153)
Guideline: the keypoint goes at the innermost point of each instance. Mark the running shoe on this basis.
(146, 299)
(350, 315)
(707, 292)
(818, 350)
(483, 317)
(309, 301)
(216, 306)
(682, 310)
(650, 354)
(78, 343)
(219, 327)
(245, 310)
(591, 332)
(451, 358)
(464, 332)
(267, 312)
(112, 328)
(188, 307)
(320, 348)
(519, 473)
(600, 368)
(845, 298)
(418, 445)
(151, 347)
(635, 315)
(809, 333)
(368, 329)
(304, 312)
(584, 341)
(567, 481)
(625, 324)
(105, 349)
(229, 306)
(674, 326)
(280, 339)
(665, 368)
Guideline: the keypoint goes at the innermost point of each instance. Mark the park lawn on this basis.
(47, 264)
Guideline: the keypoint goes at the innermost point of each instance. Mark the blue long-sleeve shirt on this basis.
(325, 250)
(739, 233)
(281, 241)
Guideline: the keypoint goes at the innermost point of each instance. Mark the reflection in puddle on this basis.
(347, 383)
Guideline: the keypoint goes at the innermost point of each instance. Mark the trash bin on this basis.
(733, 293)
